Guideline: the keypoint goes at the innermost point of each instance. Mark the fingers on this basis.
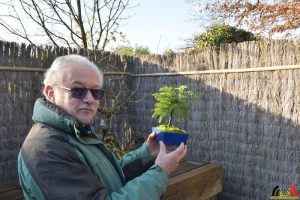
(162, 147)
(180, 152)
(169, 161)
(151, 136)
(180, 148)
(184, 152)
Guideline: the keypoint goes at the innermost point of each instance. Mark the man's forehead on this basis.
(79, 69)
(82, 77)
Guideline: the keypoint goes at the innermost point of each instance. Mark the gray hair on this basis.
(54, 75)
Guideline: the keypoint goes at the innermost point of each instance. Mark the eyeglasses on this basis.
(80, 93)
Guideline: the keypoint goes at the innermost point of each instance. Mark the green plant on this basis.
(127, 50)
(172, 103)
(124, 50)
(141, 50)
(169, 53)
(221, 33)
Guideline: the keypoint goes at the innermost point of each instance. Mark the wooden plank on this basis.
(200, 183)
(186, 166)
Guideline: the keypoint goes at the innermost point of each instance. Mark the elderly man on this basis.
(62, 159)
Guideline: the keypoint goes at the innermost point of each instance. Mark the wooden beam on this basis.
(33, 69)
(222, 71)
(21, 69)
(187, 73)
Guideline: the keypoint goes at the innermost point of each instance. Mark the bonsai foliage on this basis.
(172, 103)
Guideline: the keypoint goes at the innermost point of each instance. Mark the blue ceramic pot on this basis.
(170, 138)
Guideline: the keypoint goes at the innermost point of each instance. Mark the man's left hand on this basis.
(152, 145)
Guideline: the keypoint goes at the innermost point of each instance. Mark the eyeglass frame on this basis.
(85, 90)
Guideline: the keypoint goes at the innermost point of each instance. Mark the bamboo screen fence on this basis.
(247, 121)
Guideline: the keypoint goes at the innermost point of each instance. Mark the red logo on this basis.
(293, 191)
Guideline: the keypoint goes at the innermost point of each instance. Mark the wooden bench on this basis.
(191, 181)
(11, 191)
(194, 181)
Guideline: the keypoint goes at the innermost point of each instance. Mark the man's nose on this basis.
(88, 97)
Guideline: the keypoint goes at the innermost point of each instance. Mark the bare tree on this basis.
(88, 24)
(119, 96)
(272, 16)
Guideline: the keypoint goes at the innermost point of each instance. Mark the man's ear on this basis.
(49, 93)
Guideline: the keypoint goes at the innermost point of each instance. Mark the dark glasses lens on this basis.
(80, 93)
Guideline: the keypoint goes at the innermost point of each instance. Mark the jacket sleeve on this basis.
(136, 162)
(151, 185)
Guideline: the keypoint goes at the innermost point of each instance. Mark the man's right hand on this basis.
(169, 161)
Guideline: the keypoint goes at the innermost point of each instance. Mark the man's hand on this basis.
(152, 145)
(169, 161)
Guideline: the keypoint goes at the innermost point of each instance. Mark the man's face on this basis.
(84, 109)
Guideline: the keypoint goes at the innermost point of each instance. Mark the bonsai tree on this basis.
(172, 104)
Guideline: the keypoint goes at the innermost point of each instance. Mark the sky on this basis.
(160, 24)
(156, 24)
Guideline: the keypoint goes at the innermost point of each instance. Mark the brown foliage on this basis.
(273, 16)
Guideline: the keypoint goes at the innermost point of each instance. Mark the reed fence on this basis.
(247, 120)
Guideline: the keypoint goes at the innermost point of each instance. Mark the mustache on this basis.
(86, 106)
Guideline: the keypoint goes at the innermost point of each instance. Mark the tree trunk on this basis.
(170, 119)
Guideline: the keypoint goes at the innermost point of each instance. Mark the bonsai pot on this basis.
(170, 138)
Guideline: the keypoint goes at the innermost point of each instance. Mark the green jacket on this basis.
(61, 159)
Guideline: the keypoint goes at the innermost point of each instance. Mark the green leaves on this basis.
(127, 50)
(221, 33)
(172, 102)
